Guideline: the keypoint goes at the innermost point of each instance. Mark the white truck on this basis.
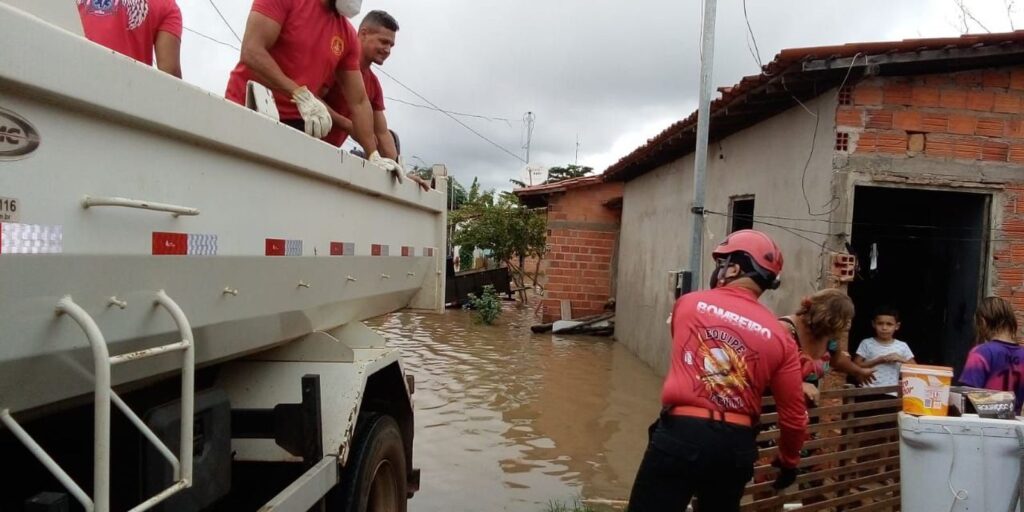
(182, 285)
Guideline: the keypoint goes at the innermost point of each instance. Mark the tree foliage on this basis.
(556, 174)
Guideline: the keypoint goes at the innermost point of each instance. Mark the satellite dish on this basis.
(534, 174)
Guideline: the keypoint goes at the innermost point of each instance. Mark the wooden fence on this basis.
(851, 463)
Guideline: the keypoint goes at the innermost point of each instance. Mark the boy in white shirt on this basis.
(884, 352)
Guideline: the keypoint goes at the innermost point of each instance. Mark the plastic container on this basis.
(925, 389)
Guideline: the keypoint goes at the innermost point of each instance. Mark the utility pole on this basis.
(528, 120)
(707, 57)
(577, 160)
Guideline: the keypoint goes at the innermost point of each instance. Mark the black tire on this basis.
(374, 480)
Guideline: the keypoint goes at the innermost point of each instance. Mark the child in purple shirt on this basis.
(998, 362)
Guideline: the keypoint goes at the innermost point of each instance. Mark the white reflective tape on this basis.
(293, 248)
(202, 245)
(18, 238)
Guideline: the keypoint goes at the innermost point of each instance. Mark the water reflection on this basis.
(508, 420)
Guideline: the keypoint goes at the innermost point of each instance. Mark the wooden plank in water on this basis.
(828, 473)
(837, 440)
(831, 504)
(887, 504)
(566, 306)
(839, 409)
(836, 425)
(774, 502)
(881, 449)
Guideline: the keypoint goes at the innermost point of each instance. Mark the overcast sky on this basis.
(612, 73)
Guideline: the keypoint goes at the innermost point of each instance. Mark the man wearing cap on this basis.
(727, 349)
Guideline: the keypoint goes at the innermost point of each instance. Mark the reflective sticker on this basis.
(379, 250)
(343, 249)
(202, 245)
(408, 251)
(428, 251)
(293, 248)
(18, 238)
(9, 209)
(170, 244)
(275, 247)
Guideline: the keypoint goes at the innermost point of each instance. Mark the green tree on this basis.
(556, 174)
(499, 224)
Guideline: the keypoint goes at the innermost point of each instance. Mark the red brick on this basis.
(953, 98)
(968, 79)
(993, 78)
(879, 119)
(867, 95)
(962, 124)
(896, 94)
(938, 79)
(1015, 128)
(1007, 103)
(850, 117)
(867, 143)
(924, 96)
(1016, 154)
(893, 143)
(980, 100)
(995, 151)
(939, 146)
(967, 149)
(990, 127)
(1017, 79)
(910, 120)
(933, 122)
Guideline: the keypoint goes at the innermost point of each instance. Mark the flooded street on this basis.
(511, 420)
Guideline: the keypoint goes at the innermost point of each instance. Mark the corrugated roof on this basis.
(804, 73)
(559, 186)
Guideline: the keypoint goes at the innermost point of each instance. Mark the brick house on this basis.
(908, 154)
(583, 226)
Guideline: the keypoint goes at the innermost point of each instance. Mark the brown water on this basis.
(510, 420)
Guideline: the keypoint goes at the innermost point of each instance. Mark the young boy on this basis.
(884, 352)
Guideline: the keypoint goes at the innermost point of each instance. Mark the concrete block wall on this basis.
(582, 237)
(973, 118)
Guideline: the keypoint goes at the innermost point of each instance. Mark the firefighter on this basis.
(727, 349)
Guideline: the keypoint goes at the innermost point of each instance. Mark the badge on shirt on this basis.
(337, 45)
(100, 7)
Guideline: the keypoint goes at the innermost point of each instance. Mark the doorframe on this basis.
(841, 226)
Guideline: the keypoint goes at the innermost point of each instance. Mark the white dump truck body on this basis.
(120, 185)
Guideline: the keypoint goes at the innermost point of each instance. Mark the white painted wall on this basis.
(766, 160)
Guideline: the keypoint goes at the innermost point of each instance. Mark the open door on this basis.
(922, 252)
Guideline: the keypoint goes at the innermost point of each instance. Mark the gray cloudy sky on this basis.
(613, 72)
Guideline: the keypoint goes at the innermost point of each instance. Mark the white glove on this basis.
(387, 164)
(313, 112)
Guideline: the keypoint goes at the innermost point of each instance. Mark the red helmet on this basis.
(762, 251)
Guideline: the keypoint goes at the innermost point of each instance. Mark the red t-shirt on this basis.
(336, 100)
(726, 349)
(129, 27)
(313, 42)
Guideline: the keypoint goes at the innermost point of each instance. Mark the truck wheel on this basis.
(375, 476)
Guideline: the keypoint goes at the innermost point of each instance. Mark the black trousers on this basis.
(689, 457)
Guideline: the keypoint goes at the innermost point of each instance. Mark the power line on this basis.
(225, 20)
(754, 52)
(428, 107)
(453, 118)
(218, 41)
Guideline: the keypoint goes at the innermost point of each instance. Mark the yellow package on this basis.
(925, 389)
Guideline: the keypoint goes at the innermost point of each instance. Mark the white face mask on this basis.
(348, 8)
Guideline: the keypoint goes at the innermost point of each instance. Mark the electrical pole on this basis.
(577, 160)
(528, 120)
(707, 57)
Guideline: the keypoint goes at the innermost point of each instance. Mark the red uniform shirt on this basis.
(336, 100)
(726, 349)
(129, 27)
(313, 42)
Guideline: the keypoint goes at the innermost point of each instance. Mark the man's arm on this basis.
(168, 53)
(261, 32)
(385, 141)
(339, 120)
(362, 116)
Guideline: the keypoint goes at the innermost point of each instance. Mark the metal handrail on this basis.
(103, 396)
(101, 404)
(176, 210)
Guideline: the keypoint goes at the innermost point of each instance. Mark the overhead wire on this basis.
(755, 52)
(213, 39)
(225, 20)
(452, 112)
(453, 118)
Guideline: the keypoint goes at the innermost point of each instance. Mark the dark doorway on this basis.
(930, 251)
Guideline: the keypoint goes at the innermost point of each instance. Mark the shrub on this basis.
(487, 306)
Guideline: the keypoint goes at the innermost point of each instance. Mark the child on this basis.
(997, 362)
(884, 352)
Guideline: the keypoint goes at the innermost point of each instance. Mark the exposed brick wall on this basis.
(582, 235)
(973, 116)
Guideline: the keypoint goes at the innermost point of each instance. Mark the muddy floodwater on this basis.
(510, 420)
